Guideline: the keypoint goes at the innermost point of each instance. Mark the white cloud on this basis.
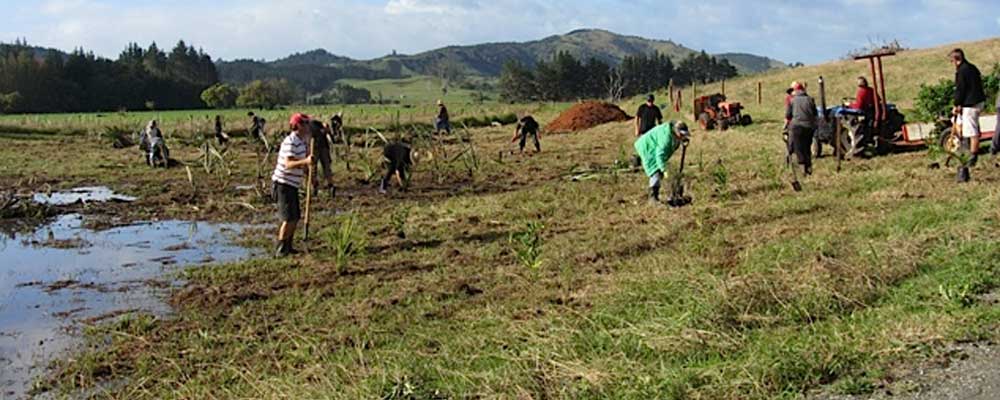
(791, 31)
(397, 7)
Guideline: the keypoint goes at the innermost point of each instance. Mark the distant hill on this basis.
(487, 59)
(483, 59)
(751, 63)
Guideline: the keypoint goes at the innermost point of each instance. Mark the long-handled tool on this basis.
(309, 190)
(795, 175)
(677, 197)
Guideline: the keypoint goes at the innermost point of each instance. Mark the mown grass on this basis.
(755, 293)
(418, 90)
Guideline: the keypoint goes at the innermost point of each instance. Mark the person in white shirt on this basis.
(288, 178)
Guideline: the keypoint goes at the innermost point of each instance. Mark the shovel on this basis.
(795, 175)
(677, 197)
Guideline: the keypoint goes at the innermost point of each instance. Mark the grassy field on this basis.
(903, 75)
(197, 123)
(548, 276)
(418, 90)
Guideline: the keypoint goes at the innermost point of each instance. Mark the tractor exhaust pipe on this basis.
(822, 97)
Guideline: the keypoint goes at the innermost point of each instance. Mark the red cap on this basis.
(298, 119)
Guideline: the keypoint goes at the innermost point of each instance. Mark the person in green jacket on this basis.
(655, 148)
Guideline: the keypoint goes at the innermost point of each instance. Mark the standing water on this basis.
(62, 274)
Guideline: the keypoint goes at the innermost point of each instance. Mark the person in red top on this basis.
(788, 100)
(865, 99)
(864, 102)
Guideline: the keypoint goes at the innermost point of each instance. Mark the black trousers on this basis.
(524, 140)
(391, 168)
(799, 141)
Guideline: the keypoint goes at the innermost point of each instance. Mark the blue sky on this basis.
(791, 31)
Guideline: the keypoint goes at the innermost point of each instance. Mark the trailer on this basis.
(887, 129)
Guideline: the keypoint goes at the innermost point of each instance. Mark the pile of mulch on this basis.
(586, 115)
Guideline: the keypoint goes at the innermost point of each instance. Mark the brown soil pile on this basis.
(587, 115)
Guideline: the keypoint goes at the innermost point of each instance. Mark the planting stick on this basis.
(309, 186)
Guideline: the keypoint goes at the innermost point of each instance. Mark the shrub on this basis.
(220, 95)
(934, 101)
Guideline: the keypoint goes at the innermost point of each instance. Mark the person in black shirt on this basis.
(970, 98)
(321, 157)
(647, 117)
(219, 134)
(257, 129)
(397, 163)
(443, 120)
(527, 126)
(337, 128)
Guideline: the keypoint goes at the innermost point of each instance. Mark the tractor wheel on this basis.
(852, 137)
(705, 121)
(746, 120)
(950, 142)
(845, 138)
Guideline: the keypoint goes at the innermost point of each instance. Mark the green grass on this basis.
(417, 90)
(752, 292)
(196, 123)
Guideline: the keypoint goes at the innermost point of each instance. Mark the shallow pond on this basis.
(81, 195)
(62, 276)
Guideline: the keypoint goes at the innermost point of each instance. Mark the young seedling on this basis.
(720, 176)
(347, 241)
(528, 245)
(399, 217)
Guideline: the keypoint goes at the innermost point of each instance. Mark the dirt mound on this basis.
(587, 115)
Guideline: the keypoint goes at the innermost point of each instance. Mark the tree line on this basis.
(567, 78)
(34, 80)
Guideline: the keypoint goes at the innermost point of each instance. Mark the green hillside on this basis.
(315, 69)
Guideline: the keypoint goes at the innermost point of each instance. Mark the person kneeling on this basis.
(655, 148)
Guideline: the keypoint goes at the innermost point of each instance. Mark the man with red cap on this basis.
(288, 178)
(802, 116)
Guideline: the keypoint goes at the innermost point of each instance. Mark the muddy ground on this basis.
(751, 292)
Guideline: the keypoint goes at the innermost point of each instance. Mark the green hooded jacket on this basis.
(655, 148)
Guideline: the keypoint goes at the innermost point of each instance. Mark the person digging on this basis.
(655, 147)
(398, 160)
(527, 126)
(288, 178)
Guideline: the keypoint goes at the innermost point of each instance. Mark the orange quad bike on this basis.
(714, 110)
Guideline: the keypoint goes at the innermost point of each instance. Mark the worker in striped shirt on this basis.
(288, 178)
